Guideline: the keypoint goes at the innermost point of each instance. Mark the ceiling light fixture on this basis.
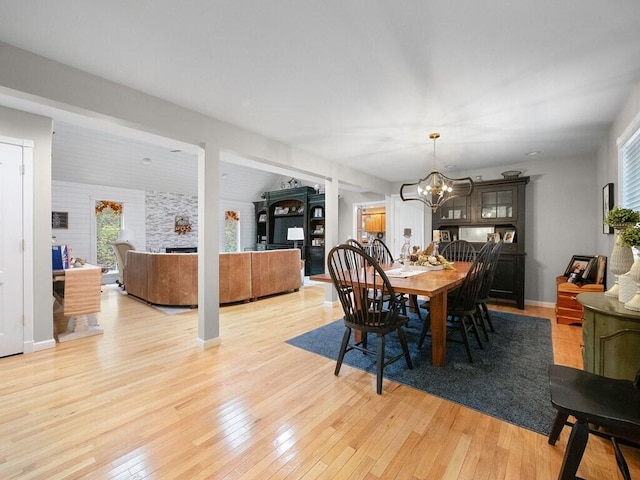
(146, 161)
(436, 189)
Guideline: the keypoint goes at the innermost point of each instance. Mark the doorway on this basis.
(370, 221)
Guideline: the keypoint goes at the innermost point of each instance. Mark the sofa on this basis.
(172, 278)
(162, 278)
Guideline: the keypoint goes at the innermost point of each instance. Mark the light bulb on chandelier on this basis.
(436, 189)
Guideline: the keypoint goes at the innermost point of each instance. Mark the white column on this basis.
(330, 229)
(208, 248)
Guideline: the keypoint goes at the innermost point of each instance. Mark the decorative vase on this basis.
(405, 251)
(621, 260)
(634, 303)
(627, 287)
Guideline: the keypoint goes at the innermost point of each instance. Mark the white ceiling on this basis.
(96, 157)
(363, 82)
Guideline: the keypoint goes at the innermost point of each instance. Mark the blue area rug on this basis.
(508, 379)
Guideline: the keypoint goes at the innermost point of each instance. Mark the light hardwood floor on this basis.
(143, 401)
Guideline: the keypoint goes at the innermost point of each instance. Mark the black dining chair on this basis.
(370, 306)
(353, 242)
(484, 318)
(459, 251)
(381, 253)
(461, 305)
(610, 405)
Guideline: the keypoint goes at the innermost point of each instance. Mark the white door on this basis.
(407, 215)
(11, 250)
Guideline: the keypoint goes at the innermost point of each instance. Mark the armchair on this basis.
(120, 248)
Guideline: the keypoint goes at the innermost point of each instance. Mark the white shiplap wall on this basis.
(79, 199)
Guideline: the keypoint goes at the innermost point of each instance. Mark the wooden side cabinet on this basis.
(611, 337)
(568, 309)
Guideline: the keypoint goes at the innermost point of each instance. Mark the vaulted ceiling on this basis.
(364, 82)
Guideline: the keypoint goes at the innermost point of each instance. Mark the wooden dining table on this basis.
(435, 284)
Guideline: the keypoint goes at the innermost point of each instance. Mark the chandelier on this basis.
(436, 189)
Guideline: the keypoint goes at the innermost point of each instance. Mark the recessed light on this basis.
(532, 153)
(449, 167)
(146, 161)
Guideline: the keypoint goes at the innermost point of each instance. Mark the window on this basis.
(108, 222)
(231, 231)
(631, 172)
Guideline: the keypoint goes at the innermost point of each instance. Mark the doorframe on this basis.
(27, 239)
(27, 235)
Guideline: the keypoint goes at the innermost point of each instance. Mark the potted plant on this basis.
(621, 256)
(620, 217)
(630, 236)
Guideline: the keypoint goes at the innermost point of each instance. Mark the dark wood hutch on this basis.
(497, 205)
(293, 207)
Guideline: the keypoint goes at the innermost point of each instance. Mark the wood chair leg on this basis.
(622, 463)
(343, 349)
(558, 425)
(405, 347)
(575, 449)
(380, 364)
(476, 330)
(465, 338)
(414, 301)
(425, 328)
(487, 317)
(481, 322)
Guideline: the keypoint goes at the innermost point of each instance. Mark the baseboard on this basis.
(536, 303)
(31, 346)
(212, 342)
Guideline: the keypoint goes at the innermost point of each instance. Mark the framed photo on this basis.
(509, 236)
(262, 217)
(607, 204)
(444, 236)
(59, 219)
(579, 267)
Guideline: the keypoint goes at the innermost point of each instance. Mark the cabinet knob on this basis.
(573, 297)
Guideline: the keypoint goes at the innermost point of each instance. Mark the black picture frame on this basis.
(59, 219)
(607, 205)
(581, 265)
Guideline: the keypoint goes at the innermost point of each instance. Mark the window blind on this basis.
(631, 172)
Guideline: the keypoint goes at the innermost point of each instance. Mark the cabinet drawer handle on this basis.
(573, 298)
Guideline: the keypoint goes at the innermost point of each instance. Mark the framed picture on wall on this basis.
(607, 204)
(59, 219)
(444, 236)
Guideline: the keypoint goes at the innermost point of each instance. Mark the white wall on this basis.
(78, 199)
(39, 130)
(149, 214)
(608, 171)
(247, 223)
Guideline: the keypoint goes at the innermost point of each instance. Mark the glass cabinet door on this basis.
(497, 205)
(455, 211)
